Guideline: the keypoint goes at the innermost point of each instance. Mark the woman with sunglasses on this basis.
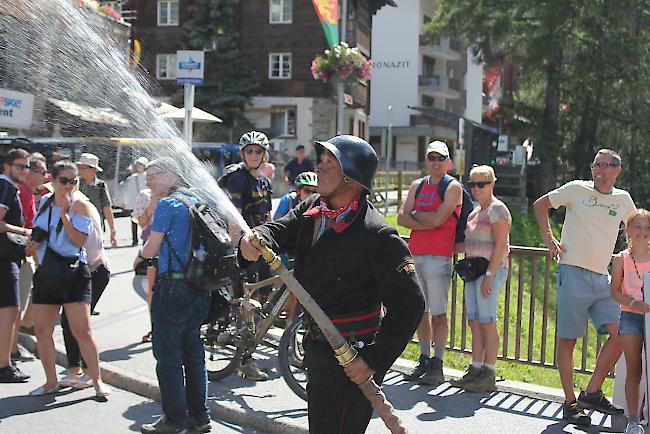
(61, 230)
(487, 236)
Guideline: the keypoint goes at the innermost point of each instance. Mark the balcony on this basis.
(443, 49)
(439, 86)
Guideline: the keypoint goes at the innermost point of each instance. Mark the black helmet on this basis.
(358, 159)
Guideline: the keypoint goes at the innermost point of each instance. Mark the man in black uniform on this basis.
(360, 272)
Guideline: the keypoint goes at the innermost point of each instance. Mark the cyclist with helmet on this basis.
(358, 270)
(250, 192)
(305, 184)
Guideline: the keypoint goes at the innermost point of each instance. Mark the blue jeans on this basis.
(177, 312)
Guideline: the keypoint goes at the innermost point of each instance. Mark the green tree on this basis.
(228, 83)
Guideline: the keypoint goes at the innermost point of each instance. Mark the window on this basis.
(280, 11)
(426, 19)
(427, 101)
(280, 65)
(168, 12)
(428, 66)
(166, 66)
(283, 121)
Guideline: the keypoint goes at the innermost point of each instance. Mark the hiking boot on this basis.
(573, 413)
(485, 381)
(200, 427)
(161, 427)
(21, 355)
(11, 374)
(597, 401)
(470, 374)
(433, 374)
(419, 370)
(634, 428)
(250, 371)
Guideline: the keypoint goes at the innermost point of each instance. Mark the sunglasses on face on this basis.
(67, 181)
(603, 165)
(251, 151)
(21, 167)
(479, 184)
(434, 158)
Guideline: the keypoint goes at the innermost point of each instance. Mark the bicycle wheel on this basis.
(291, 357)
(223, 350)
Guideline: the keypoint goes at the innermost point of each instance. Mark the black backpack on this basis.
(465, 209)
(227, 172)
(211, 257)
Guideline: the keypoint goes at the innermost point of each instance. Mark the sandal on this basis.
(70, 380)
(40, 391)
(146, 338)
(102, 390)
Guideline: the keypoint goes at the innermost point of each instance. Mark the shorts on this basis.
(484, 309)
(434, 274)
(80, 292)
(581, 294)
(9, 284)
(631, 324)
(25, 282)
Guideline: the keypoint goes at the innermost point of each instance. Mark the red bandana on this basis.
(343, 217)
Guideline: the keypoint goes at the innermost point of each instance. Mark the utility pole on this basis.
(340, 86)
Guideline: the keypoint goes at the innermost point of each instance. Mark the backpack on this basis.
(228, 171)
(211, 258)
(465, 209)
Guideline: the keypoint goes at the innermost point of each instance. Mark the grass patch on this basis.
(524, 292)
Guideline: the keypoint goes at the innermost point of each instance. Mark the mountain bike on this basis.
(234, 337)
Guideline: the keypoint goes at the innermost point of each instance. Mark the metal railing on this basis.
(527, 319)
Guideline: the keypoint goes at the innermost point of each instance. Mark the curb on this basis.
(148, 388)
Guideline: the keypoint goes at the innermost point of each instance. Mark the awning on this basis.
(100, 115)
(198, 115)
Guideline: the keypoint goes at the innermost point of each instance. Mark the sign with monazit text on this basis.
(16, 109)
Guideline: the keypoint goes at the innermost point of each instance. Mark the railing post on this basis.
(399, 190)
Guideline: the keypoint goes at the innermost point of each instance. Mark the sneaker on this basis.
(597, 401)
(200, 427)
(419, 370)
(484, 382)
(83, 382)
(433, 374)
(634, 428)
(573, 413)
(70, 379)
(250, 371)
(11, 374)
(21, 355)
(470, 374)
(161, 427)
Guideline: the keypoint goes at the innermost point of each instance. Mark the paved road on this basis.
(267, 406)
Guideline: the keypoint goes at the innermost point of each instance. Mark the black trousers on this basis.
(336, 405)
(100, 278)
(134, 233)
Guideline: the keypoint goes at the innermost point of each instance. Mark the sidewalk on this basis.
(271, 407)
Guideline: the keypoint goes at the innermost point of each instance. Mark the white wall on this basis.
(395, 51)
(407, 148)
(304, 135)
(474, 89)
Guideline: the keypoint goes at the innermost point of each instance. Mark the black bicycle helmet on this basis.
(254, 138)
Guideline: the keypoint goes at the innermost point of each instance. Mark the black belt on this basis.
(354, 326)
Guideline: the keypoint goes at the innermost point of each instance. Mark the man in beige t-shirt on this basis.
(594, 212)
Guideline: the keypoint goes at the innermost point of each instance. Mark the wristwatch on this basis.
(488, 273)
(414, 213)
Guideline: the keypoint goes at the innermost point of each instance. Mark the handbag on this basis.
(57, 273)
(470, 269)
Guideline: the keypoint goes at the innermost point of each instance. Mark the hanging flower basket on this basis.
(343, 63)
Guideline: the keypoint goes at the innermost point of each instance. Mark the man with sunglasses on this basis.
(250, 191)
(594, 212)
(432, 243)
(15, 167)
(96, 191)
(35, 177)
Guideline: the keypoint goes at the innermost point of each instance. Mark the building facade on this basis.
(427, 84)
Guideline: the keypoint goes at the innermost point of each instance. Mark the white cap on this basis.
(142, 160)
(91, 160)
(439, 147)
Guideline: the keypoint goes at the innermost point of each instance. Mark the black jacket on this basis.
(365, 265)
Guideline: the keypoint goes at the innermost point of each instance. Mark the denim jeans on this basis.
(177, 312)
